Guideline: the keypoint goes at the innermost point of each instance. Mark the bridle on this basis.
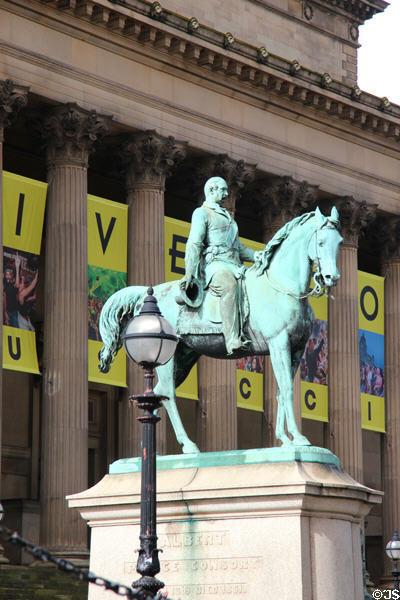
(319, 289)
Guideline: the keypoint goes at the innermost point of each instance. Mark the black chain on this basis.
(83, 574)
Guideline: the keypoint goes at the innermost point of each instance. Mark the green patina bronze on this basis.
(223, 310)
(230, 458)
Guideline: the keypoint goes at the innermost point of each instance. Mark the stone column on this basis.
(217, 378)
(12, 98)
(148, 159)
(345, 436)
(69, 133)
(391, 441)
(281, 199)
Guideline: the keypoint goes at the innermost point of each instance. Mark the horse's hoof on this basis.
(190, 448)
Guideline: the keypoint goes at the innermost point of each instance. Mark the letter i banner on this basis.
(107, 267)
(372, 350)
(314, 365)
(24, 202)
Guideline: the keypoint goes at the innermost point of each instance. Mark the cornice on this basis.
(173, 37)
(359, 10)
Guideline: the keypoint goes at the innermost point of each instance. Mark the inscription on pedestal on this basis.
(203, 564)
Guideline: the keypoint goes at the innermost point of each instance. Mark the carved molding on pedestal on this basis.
(148, 158)
(69, 134)
(237, 174)
(355, 216)
(281, 199)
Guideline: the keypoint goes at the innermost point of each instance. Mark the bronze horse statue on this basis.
(279, 319)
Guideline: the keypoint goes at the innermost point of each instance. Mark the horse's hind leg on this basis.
(166, 387)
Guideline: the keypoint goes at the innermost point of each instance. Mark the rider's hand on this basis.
(258, 255)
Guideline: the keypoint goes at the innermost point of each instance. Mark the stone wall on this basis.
(322, 44)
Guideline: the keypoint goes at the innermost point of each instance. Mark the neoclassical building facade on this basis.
(140, 102)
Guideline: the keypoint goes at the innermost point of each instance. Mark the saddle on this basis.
(205, 318)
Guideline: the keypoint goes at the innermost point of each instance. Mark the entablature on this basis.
(177, 40)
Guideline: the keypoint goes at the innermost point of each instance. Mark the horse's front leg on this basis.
(285, 385)
(281, 359)
(166, 387)
(298, 438)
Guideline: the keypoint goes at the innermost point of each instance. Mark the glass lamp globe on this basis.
(149, 339)
(393, 547)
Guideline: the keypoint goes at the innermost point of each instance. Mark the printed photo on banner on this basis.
(102, 283)
(314, 362)
(372, 365)
(20, 277)
(253, 364)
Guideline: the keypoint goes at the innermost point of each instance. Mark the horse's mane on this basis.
(274, 243)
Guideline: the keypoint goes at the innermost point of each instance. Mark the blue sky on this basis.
(378, 58)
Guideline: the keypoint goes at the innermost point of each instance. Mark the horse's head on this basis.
(324, 246)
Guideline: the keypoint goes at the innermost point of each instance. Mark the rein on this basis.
(319, 288)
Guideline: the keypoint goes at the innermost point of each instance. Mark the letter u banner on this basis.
(24, 203)
(107, 266)
(372, 359)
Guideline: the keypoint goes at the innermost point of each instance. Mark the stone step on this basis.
(39, 583)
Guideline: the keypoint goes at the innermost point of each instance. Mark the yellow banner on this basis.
(19, 350)
(370, 302)
(314, 401)
(107, 258)
(24, 202)
(176, 234)
(250, 390)
(373, 413)
(372, 350)
(117, 373)
(107, 234)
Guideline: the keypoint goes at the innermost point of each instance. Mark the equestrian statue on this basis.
(224, 310)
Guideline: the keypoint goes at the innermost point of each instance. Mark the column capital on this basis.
(355, 216)
(281, 198)
(69, 133)
(386, 235)
(12, 98)
(148, 158)
(237, 174)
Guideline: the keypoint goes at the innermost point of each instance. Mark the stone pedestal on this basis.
(237, 524)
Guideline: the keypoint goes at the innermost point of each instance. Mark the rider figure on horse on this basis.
(214, 260)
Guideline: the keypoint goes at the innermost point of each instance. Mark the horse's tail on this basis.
(114, 314)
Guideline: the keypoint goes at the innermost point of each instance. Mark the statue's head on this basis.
(216, 189)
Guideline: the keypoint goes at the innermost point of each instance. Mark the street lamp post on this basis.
(393, 552)
(149, 340)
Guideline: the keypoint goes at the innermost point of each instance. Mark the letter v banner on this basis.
(24, 203)
(107, 266)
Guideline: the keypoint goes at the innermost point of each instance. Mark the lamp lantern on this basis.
(393, 552)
